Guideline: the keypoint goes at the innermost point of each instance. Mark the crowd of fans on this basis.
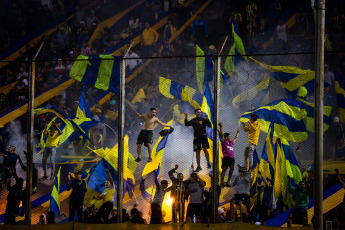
(254, 19)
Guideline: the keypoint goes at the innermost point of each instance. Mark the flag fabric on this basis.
(68, 123)
(148, 176)
(236, 48)
(309, 120)
(83, 110)
(204, 70)
(340, 91)
(256, 164)
(100, 71)
(251, 94)
(174, 90)
(54, 204)
(267, 161)
(287, 115)
(109, 161)
(289, 167)
(139, 96)
(291, 78)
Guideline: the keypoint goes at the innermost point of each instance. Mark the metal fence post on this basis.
(121, 139)
(215, 176)
(319, 75)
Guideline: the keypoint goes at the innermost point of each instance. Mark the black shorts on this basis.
(261, 210)
(156, 214)
(200, 142)
(146, 137)
(228, 161)
(297, 214)
(194, 209)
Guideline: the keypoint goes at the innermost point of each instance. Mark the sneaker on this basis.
(198, 169)
(138, 159)
(209, 166)
(52, 177)
(228, 184)
(44, 178)
(149, 160)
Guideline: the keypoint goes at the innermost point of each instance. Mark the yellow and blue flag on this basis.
(148, 175)
(101, 71)
(54, 204)
(256, 164)
(340, 91)
(291, 78)
(83, 110)
(251, 94)
(267, 161)
(287, 115)
(139, 96)
(174, 90)
(309, 120)
(236, 48)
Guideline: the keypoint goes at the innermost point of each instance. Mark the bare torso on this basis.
(150, 122)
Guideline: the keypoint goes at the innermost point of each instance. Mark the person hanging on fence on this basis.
(195, 191)
(299, 214)
(228, 160)
(242, 183)
(264, 202)
(108, 198)
(253, 137)
(9, 163)
(146, 135)
(156, 205)
(76, 199)
(53, 138)
(178, 194)
(200, 141)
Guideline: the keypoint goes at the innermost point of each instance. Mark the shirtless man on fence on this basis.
(146, 135)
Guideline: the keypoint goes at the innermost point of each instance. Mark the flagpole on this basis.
(30, 138)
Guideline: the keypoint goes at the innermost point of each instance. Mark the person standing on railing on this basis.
(146, 135)
(200, 141)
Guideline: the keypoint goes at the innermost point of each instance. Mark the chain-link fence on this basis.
(81, 137)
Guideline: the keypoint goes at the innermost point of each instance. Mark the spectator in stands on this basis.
(274, 11)
(134, 23)
(133, 60)
(79, 16)
(195, 192)
(281, 31)
(66, 28)
(76, 199)
(242, 183)
(23, 75)
(46, 15)
(108, 198)
(251, 9)
(62, 41)
(264, 201)
(113, 214)
(60, 69)
(53, 138)
(178, 194)
(50, 217)
(298, 214)
(251, 29)
(17, 94)
(339, 148)
(328, 76)
(169, 29)
(167, 49)
(148, 39)
(34, 182)
(13, 200)
(136, 218)
(90, 20)
(9, 78)
(85, 50)
(199, 31)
